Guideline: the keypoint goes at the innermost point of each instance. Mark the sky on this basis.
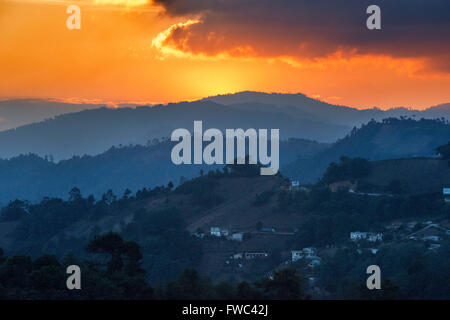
(158, 51)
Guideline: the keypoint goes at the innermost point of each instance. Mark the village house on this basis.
(374, 237)
(357, 235)
(253, 255)
(239, 236)
(431, 238)
(294, 186)
(305, 253)
(434, 246)
(369, 236)
(237, 256)
(315, 261)
(296, 255)
(371, 250)
(432, 232)
(199, 235)
(219, 232)
(446, 193)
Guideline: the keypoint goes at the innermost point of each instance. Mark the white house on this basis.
(358, 235)
(215, 231)
(446, 193)
(315, 261)
(369, 236)
(295, 183)
(373, 237)
(434, 246)
(239, 236)
(431, 238)
(307, 253)
(219, 232)
(237, 256)
(296, 255)
(253, 255)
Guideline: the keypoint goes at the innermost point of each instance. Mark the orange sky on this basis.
(125, 52)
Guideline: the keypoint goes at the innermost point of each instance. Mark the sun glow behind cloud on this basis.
(133, 51)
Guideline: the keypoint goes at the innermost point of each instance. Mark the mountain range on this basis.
(95, 130)
(32, 177)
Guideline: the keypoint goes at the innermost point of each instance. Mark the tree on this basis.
(74, 194)
(15, 210)
(110, 243)
(113, 244)
(347, 169)
(259, 226)
(108, 197)
(444, 151)
(395, 187)
(285, 285)
(2, 257)
(126, 194)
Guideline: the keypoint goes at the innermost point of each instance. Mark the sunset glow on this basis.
(140, 50)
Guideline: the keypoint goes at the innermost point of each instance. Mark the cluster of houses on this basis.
(249, 255)
(225, 233)
(369, 236)
(307, 254)
(428, 231)
(432, 233)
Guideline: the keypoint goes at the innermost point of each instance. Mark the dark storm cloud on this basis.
(314, 28)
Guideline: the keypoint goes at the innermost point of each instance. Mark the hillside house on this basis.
(237, 256)
(434, 246)
(354, 236)
(295, 184)
(254, 255)
(431, 238)
(432, 232)
(446, 193)
(371, 250)
(296, 255)
(374, 237)
(219, 232)
(199, 235)
(369, 236)
(305, 253)
(315, 261)
(239, 236)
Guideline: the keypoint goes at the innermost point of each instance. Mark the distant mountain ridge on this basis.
(95, 130)
(324, 111)
(19, 112)
(389, 139)
(135, 167)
